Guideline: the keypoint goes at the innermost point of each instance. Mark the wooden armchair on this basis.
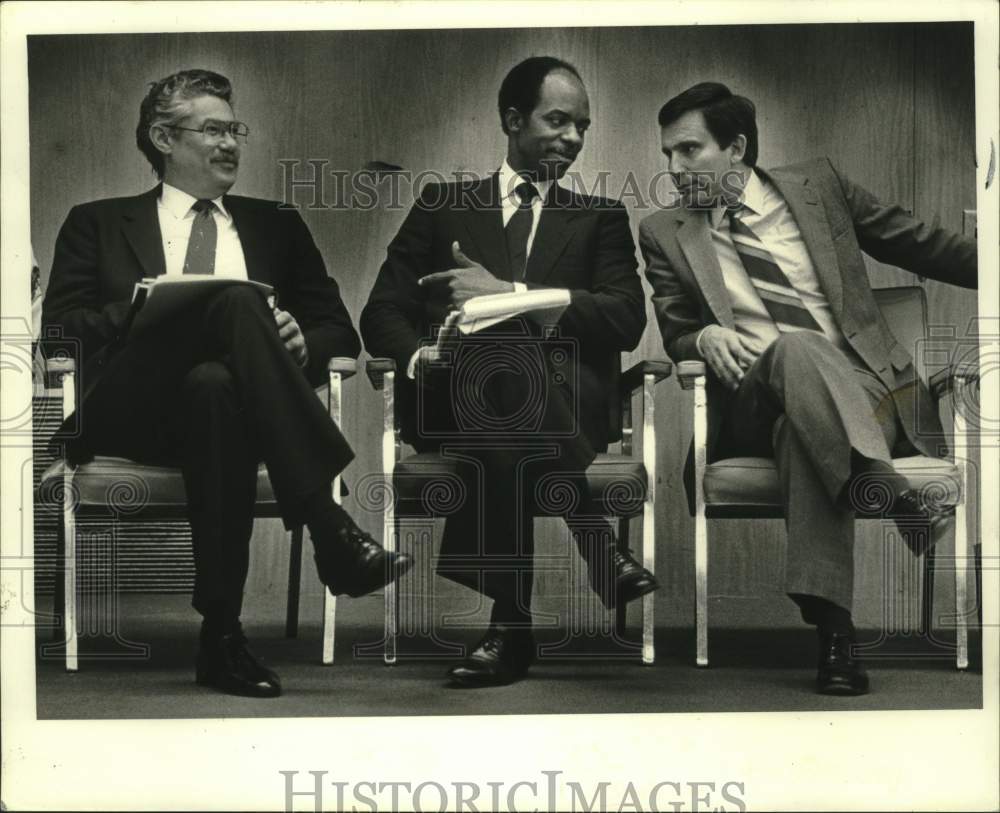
(118, 489)
(412, 478)
(748, 487)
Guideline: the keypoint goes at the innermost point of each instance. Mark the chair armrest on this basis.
(633, 378)
(343, 365)
(55, 369)
(688, 371)
(376, 370)
(943, 381)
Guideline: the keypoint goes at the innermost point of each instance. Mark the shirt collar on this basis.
(752, 198)
(179, 203)
(509, 180)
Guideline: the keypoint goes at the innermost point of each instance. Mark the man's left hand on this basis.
(467, 280)
(291, 334)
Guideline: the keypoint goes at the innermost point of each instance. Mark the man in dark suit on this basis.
(760, 275)
(229, 382)
(517, 229)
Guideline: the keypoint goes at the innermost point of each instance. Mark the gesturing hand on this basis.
(466, 280)
(291, 334)
(726, 353)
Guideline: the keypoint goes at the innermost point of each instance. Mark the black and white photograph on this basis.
(500, 406)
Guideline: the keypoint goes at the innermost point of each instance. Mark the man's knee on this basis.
(210, 380)
(800, 349)
(240, 299)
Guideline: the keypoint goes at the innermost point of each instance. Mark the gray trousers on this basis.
(823, 417)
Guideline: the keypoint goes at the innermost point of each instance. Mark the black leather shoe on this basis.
(839, 671)
(501, 657)
(917, 521)
(354, 564)
(619, 578)
(226, 664)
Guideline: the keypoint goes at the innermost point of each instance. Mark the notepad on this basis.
(155, 300)
(480, 312)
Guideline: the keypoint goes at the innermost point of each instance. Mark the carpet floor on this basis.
(754, 668)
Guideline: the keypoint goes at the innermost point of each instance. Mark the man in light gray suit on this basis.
(760, 275)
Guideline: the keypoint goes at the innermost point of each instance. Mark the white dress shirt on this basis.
(176, 219)
(508, 181)
(767, 214)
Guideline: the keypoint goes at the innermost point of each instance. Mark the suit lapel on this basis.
(254, 240)
(483, 221)
(810, 215)
(695, 241)
(141, 226)
(553, 232)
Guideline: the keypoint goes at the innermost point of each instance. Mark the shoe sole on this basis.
(471, 682)
(208, 683)
(402, 565)
(629, 591)
(842, 691)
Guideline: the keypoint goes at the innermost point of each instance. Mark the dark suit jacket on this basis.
(838, 221)
(106, 246)
(582, 243)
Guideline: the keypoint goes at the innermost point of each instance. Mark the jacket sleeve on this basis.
(891, 235)
(313, 297)
(611, 313)
(391, 320)
(677, 313)
(73, 298)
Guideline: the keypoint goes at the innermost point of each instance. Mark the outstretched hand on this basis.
(466, 280)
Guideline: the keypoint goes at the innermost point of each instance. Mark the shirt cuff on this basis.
(411, 368)
(697, 341)
(519, 287)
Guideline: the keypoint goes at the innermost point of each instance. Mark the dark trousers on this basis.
(511, 420)
(216, 392)
(822, 417)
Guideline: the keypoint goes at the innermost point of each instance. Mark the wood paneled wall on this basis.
(891, 104)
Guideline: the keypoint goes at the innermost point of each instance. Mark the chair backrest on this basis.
(905, 311)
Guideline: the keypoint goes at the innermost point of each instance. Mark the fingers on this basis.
(726, 368)
(283, 318)
(744, 354)
(460, 259)
(438, 276)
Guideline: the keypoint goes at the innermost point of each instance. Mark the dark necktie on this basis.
(518, 229)
(780, 298)
(200, 256)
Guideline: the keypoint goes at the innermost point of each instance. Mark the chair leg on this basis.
(648, 552)
(59, 585)
(621, 610)
(294, 582)
(927, 594)
(391, 598)
(329, 625)
(978, 552)
(701, 585)
(961, 587)
(69, 576)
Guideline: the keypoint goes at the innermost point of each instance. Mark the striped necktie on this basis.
(780, 298)
(200, 256)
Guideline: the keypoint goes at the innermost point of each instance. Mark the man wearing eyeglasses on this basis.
(229, 382)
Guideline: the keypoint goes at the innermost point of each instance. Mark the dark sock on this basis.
(827, 617)
(323, 516)
(508, 613)
(218, 620)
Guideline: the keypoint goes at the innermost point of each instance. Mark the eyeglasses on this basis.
(215, 130)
